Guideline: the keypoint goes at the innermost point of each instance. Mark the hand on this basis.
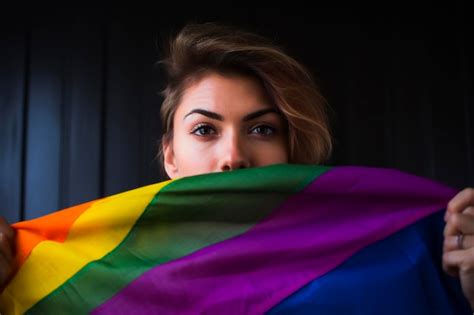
(458, 248)
(6, 252)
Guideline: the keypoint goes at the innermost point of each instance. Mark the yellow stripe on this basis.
(93, 235)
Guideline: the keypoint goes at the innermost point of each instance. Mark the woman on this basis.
(233, 101)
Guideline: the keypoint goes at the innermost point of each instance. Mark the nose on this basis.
(234, 154)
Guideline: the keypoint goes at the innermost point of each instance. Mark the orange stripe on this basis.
(54, 227)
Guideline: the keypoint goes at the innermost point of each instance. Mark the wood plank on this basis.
(412, 115)
(12, 98)
(447, 96)
(47, 95)
(130, 113)
(81, 154)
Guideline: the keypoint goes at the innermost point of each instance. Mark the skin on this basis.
(6, 251)
(460, 262)
(226, 123)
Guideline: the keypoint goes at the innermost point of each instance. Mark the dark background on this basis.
(79, 91)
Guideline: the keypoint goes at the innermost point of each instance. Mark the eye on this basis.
(263, 130)
(203, 130)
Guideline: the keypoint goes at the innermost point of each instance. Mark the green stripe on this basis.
(185, 216)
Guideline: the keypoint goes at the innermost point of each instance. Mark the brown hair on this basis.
(199, 49)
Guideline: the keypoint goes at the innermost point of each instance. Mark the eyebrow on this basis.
(247, 117)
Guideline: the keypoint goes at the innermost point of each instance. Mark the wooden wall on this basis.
(79, 94)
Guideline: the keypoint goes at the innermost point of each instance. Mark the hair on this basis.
(200, 49)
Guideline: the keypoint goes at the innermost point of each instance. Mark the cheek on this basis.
(192, 157)
(270, 153)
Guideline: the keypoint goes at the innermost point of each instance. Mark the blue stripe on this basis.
(401, 274)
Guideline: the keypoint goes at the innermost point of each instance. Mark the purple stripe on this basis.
(341, 212)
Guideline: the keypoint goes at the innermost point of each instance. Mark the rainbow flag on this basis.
(282, 239)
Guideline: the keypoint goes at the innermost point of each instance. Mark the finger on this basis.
(5, 248)
(455, 262)
(451, 243)
(461, 259)
(459, 222)
(448, 266)
(469, 210)
(461, 201)
(6, 229)
(6, 270)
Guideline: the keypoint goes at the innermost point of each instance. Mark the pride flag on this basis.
(282, 239)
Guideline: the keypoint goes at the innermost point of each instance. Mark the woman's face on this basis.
(225, 123)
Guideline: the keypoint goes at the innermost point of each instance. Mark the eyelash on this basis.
(266, 127)
(201, 127)
(213, 131)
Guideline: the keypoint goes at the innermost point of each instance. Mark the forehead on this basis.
(215, 91)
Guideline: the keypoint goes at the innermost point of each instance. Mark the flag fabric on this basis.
(281, 239)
